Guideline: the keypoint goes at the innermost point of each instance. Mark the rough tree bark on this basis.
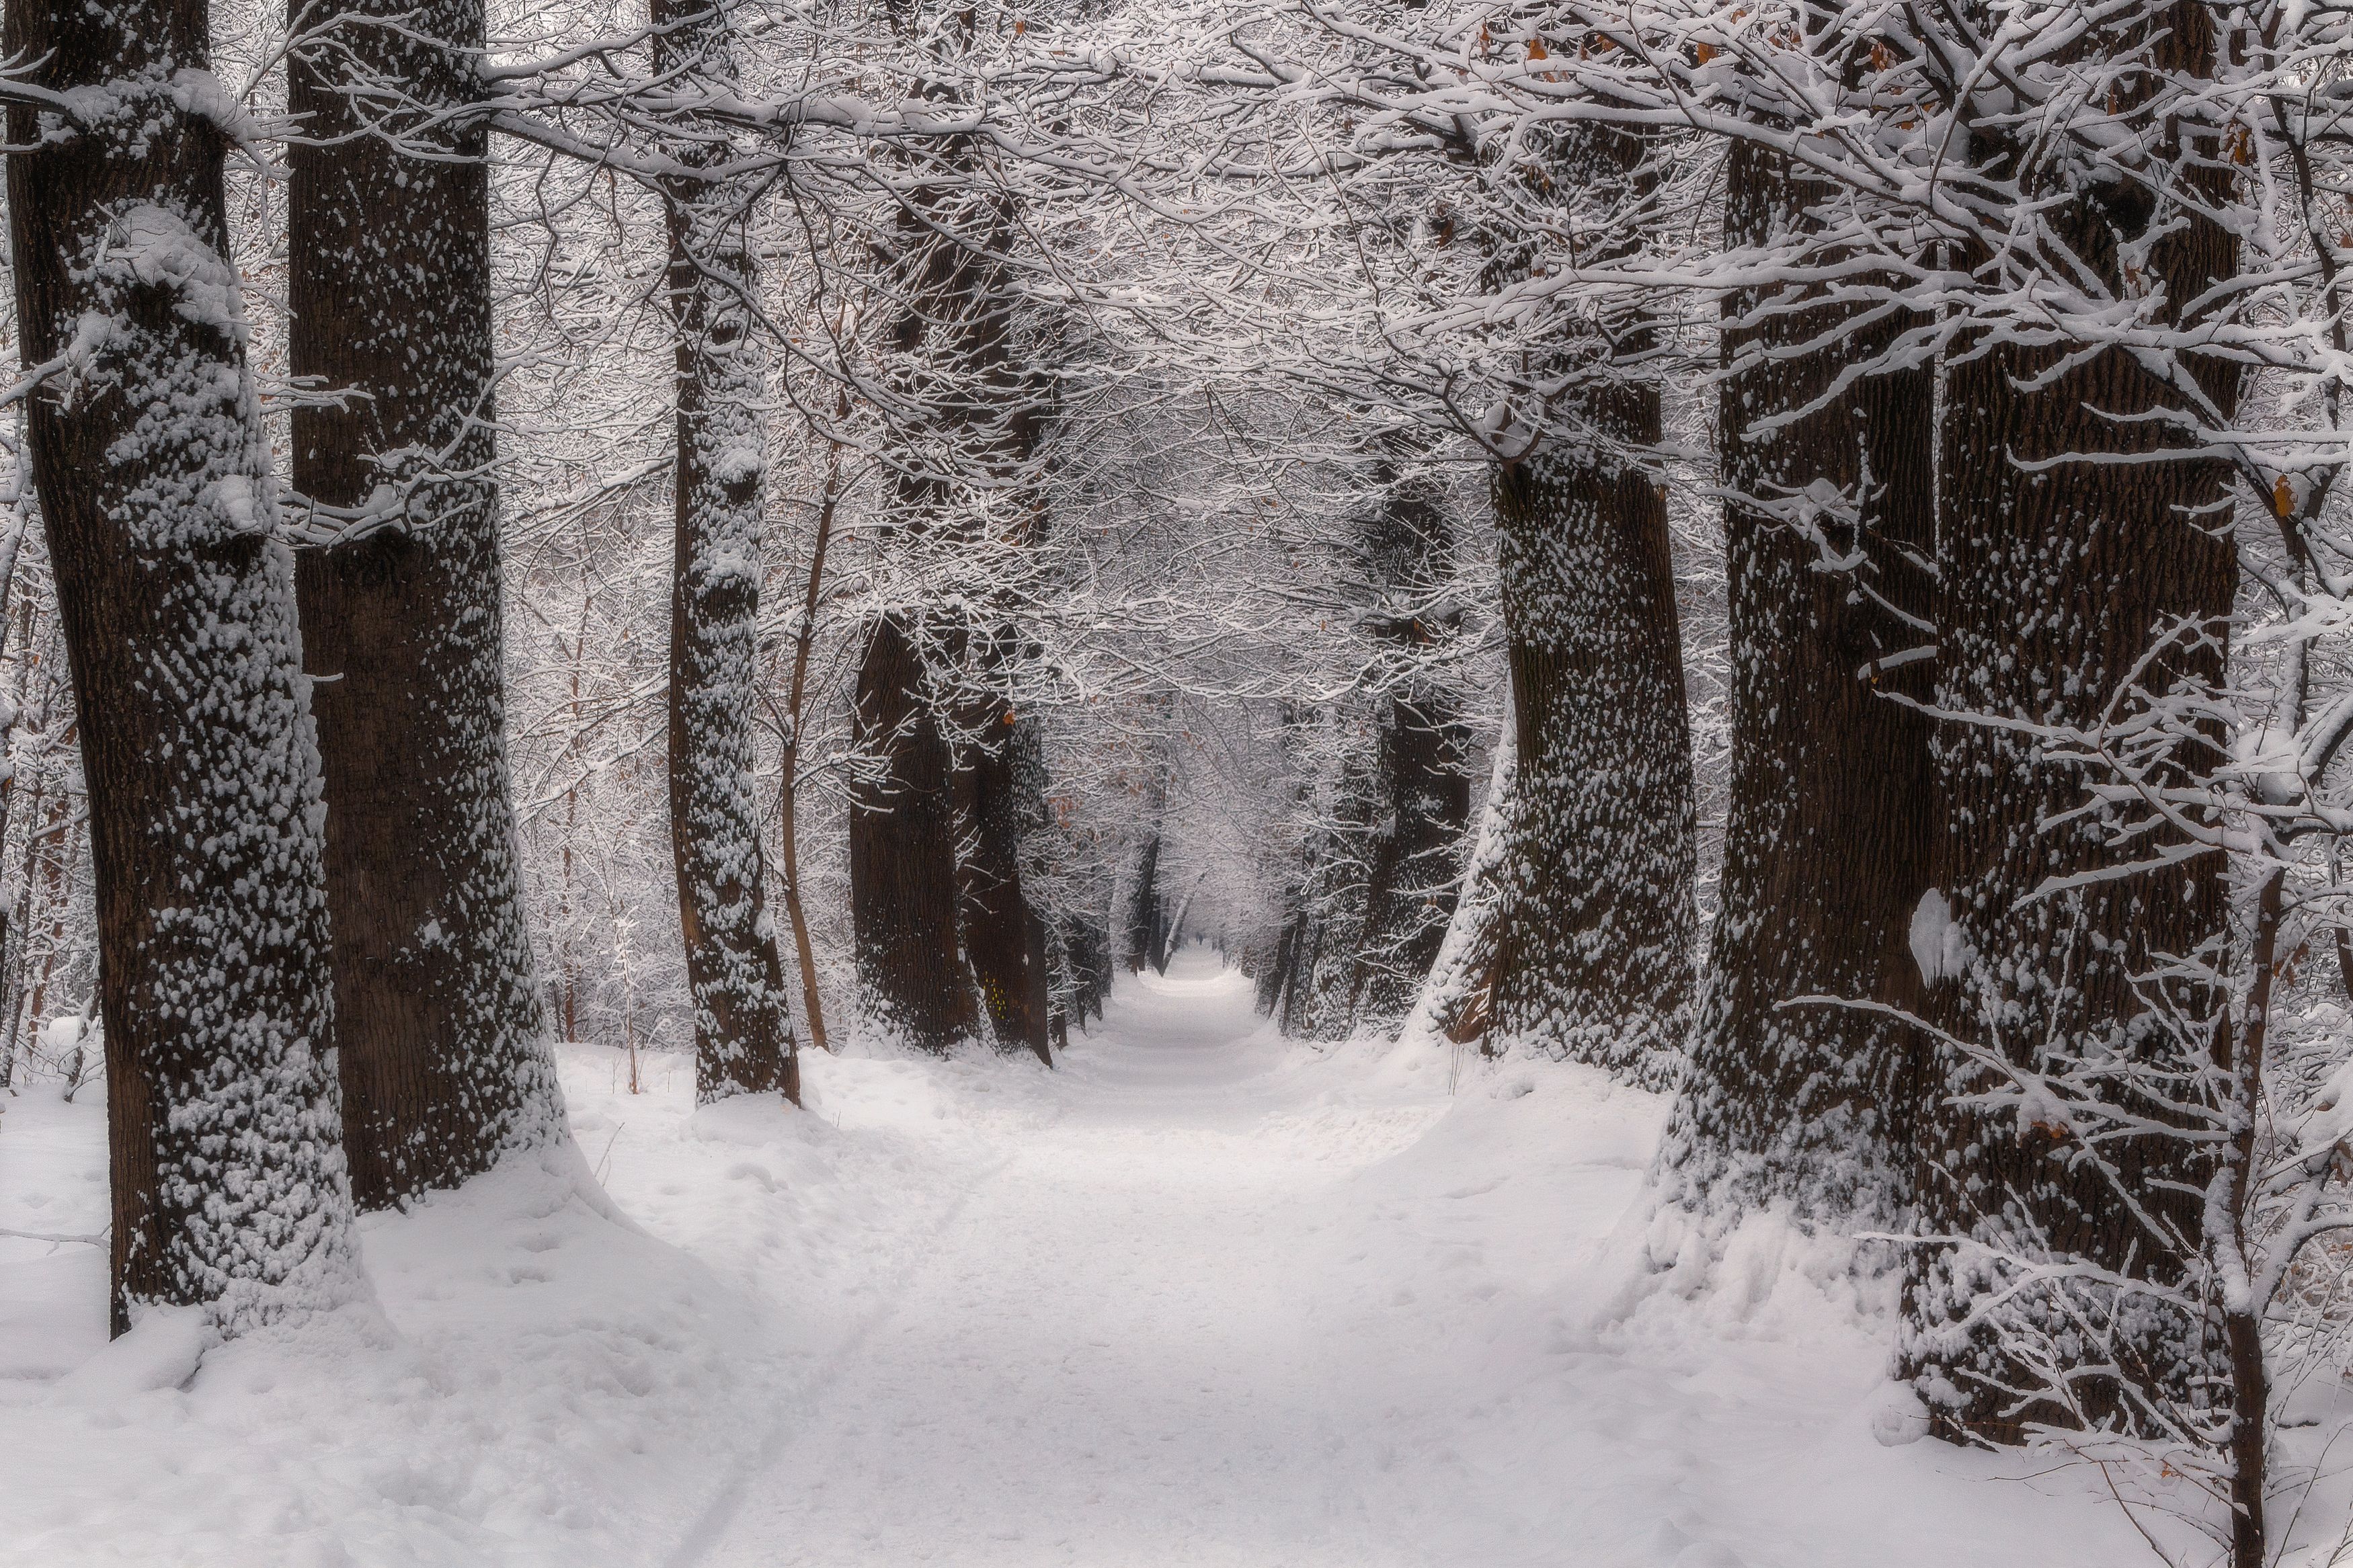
(743, 1018)
(2053, 583)
(902, 871)
(445, 1062)
(1596, 922)
(1001, 798)
(230, 1187)
(1421, 792)
(1143, 936)
(973, 411)
(1086, 949)
(1596, 918)
(1832, 812)
(1336, 750)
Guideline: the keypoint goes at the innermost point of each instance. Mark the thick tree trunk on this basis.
(1275, 979)
(1410, 892)
(1000, 800)
(1455, 998)
(445, 1062)
(2052, 583)
(1141, 939)
(229, 1186)
(980, 404)
(1595, 954)
(1422, 793)
(902, 863)
(743, 1018)
(1595, 915)
(1832, 814)
(1086, 948)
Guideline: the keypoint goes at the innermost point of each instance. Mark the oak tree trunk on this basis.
(1830, 543)
(1421, 792)
(445, 1062)
(229, 1186)
(974, 403)
(2055, 577)
(1000, 800)
(1596, 922)
(1141, 939)
(903, 867)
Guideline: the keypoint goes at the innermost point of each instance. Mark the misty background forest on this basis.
(1371, 781)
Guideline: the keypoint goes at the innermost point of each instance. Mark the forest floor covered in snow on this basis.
(1201, 1297)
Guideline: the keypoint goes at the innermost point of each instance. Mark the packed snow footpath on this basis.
(1201, 1296)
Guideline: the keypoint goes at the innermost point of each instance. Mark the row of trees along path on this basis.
(2027, 812)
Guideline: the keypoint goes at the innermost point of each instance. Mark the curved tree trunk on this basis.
(1833, 811)
(444, 1062)
(229, 1186)
(742, 1019)
(788, 764)
(1598, 923)
(1454, 999)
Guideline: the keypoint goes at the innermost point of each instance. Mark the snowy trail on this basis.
(1209, 1300)
(1105, 1360)
(1199, 1298)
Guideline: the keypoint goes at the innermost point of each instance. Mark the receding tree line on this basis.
(1951, 984)
(315, 972)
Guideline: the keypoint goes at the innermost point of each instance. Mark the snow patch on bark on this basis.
(1939, 946)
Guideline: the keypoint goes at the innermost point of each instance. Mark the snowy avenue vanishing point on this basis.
(1177, 783)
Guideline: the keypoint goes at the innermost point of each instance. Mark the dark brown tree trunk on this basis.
(229, 1188)
(1276, 976)
(1597, 923)
(1306, 953)
(974, 406)
(1421, 790)
(1833, 811)
(999, 803)
(1042, 988)
(1142, 942)
(445, 1062)
(2052, 583)
(1086, 949)
(1410, 889)
(743, 1018)
(903, 865)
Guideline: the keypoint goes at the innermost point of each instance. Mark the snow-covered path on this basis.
(1209, 1301)
(1198, 1297)
(1106, 1359)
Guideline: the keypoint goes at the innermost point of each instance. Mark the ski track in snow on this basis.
(1200, 1297)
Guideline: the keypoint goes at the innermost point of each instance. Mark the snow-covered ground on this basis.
(1199, 1297)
